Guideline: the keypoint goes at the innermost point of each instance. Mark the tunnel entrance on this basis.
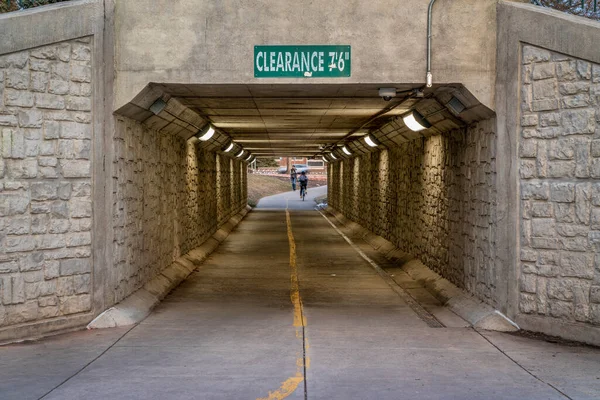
(312, 120)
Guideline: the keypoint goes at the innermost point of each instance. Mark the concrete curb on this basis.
(469, 308)
(138, 305)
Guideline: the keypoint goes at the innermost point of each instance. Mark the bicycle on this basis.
(302, 191)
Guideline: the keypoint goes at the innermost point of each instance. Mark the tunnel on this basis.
(455, 256)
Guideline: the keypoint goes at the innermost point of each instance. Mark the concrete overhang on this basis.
(302, 119)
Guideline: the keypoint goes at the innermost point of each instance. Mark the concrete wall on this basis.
(205, 41)
(91, 206)
(434, 198)
(548, 108)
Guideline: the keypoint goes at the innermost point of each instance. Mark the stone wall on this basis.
(45, 182)
(169, 197)
(434, 198)
(559, 154)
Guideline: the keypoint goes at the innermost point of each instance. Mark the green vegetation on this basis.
(260, 186)
(266, 162)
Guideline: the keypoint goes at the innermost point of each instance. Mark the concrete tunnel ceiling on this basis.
(272, 120)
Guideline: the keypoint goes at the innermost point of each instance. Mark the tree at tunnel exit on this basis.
(584, 8)
(16, 5)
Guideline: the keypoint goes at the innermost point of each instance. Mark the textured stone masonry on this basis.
(169, 197)
(433, 198)
(559, 156)
(45, 182)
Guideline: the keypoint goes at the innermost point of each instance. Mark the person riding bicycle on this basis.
(303, 180)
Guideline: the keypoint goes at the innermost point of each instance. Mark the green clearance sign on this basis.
(302, 61)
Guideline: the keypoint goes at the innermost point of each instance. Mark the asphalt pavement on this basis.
(285, 308)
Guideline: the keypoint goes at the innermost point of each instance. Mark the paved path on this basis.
(292, 200)
(285, 308)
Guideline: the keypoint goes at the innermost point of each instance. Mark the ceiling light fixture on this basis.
(345, 150)
(158, 106)
(325, 159)
(415, 121)
(249, 157)
(241, 153)
(205, 133)
(333, 156)
(371, 141)
(228, 149)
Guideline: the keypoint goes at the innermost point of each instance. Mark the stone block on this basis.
(533, 54)
(76, 103)
(564, 212)
(75, 304)
(550, 119)
(582, 169)
(560, 289)
(81, 73)
(58, 86)
(528, 283)
(535, 190)
(41, 191)
(60, 71)
(75, 130)
(81, 52)
(80, 207)
(82, 283)
(75, 168)
(576, 101)
(571, 88)
(17, 225)
(527, 303)
(48, 148)
(49, 241)
(30, 119)
(575, 264)
(8, 120)
(563, 149)
(528, 148)
(75, 266)
(562, 192)
(80, 89)
(561, 309)
(51, 269)
(77, 239)
(595, 294)
(595, 218)
(38, 82)
(529, 255)
(529, 120)
(561, 169)
(545, 89)
(578, 121)
(39, 65)
(17, 79)
(541, 209)
(528, 169)
(15, 244)
(543, 71)
(566, 70)
(584, 70)
(49, 101)
(18, 98)
(572, 230)
(543, 227)
(545, 243)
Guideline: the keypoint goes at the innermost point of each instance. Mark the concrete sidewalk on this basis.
(285, 308)
(291, 200)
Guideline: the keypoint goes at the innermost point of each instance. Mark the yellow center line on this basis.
(291, 384)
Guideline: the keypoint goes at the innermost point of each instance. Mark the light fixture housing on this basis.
(249, 157)
(158, 106)
(241, 153)
(333, 156)
(229, 147)
(415, 121)
(325, 159)
(206, 133)
(345, 150)
(371, 141)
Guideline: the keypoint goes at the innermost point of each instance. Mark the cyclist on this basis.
(293, 177)
(303, 180)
